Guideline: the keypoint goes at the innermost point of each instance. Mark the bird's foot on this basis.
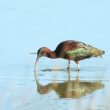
(68, 68)
(78, 69)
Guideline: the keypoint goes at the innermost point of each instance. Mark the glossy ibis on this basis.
(70, 50)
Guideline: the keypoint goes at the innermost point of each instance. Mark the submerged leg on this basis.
(68, 68)
(78, 67)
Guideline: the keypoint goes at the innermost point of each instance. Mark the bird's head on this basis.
(43, 51)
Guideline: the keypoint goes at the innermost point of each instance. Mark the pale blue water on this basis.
(27, 25)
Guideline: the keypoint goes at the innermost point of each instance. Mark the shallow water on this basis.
(54, 88)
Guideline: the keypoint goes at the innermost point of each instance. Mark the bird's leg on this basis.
(68, 68)
(77, 62)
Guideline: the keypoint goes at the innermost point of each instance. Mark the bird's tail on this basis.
(33, 53)
(95, 51)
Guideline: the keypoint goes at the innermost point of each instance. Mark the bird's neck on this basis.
(51, 54)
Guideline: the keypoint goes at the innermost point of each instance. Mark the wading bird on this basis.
(70, 50)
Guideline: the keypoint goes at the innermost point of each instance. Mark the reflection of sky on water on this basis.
(28, 25)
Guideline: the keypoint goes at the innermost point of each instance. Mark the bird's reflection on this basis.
(70, 88)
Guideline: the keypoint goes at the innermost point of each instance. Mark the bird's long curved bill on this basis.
(37, 59)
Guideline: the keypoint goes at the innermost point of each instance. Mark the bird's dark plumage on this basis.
(65, 49)
(70, 50)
